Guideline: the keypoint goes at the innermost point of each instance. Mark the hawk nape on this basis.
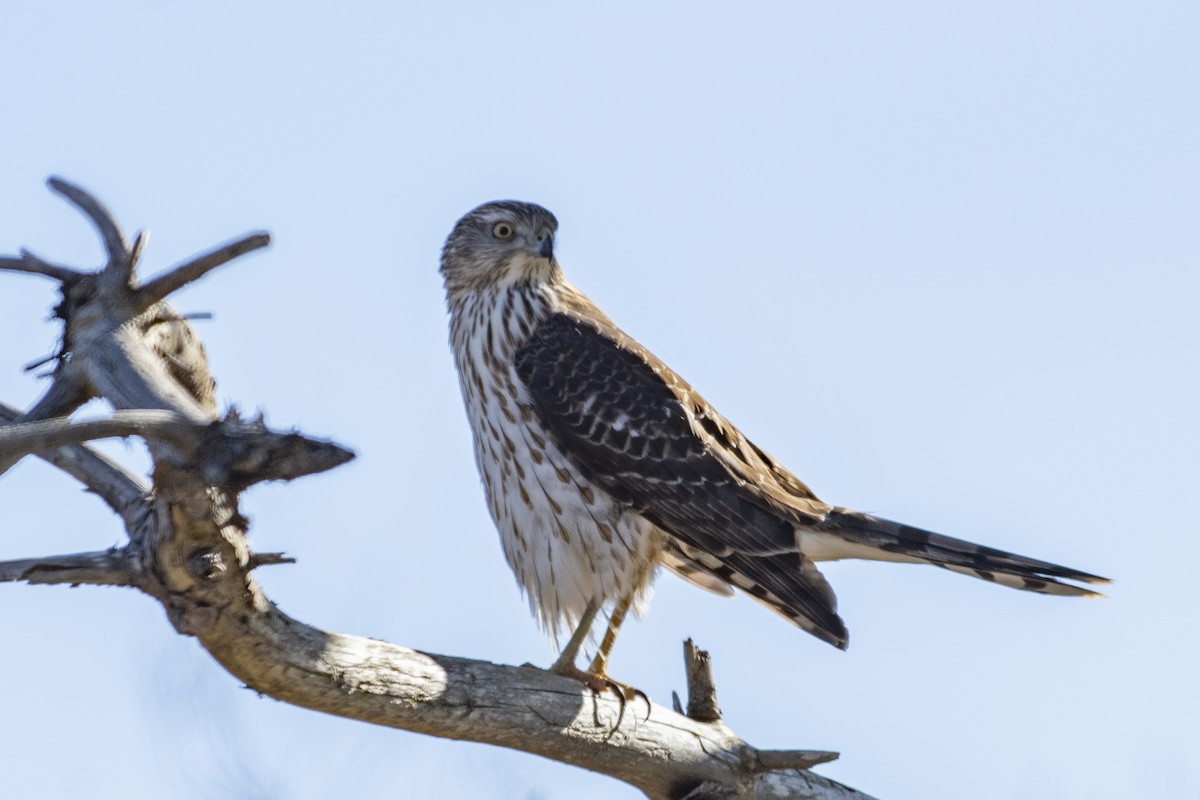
(600, 464)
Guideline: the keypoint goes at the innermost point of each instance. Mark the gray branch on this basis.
(23, 438)
(28, 262)
(525, 708)
(702, 690)
(62, 398)
(235, 454)
(231, 454)
(120, 258)
(111, 482)
(196, 268)
(104, 568)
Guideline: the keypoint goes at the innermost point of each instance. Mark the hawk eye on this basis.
(504, 230)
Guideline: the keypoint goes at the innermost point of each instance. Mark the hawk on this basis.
(600, 464)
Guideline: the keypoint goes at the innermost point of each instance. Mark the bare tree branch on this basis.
(188, 549)
(139, 244)
(62, 398)
(268, 559)
(702, 691)
(119, 268)
(231, 454)
(194, 269)
(100, 474)
(28, 262)
(237, 454)
(23, 438)
(794, 759)
(525, 708)
(104, 568)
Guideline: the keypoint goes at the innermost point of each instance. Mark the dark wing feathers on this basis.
(791, 585)
(637, 429)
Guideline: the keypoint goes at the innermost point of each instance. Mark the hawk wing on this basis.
(639, 431)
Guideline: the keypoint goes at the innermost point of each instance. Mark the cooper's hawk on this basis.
(600, 464)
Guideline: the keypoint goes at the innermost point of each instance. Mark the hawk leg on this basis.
(598, 669)
(596, 677)
(599, 665)
(565, 663)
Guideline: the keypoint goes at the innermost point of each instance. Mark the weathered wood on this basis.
(103, 568)
(30, 263)
(118, 271)
(99, 473)
(702, 691)
(63, 397)
(196, 268)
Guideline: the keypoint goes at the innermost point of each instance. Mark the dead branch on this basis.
(104, 568)
(188, 549)
(196, 268)
(118, 488)
(702, 690)
(21, 438)
(119, 269)
(28, 262)
(64, 396)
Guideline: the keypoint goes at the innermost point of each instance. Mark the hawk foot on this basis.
(598, 682)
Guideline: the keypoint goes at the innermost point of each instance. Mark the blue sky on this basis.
(939, 258)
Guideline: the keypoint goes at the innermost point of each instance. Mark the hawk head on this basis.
(500, 243)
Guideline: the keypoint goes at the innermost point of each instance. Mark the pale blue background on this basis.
(939, 258)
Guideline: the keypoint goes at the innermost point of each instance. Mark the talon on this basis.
(599, 682)
(639, 693)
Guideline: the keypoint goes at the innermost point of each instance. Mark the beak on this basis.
(546, 246)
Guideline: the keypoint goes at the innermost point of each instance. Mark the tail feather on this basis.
(690, 566)
(790, 585)
(957, 555)
(787, 583)
(1013, 580)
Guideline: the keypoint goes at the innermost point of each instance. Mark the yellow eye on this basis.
(504, 230)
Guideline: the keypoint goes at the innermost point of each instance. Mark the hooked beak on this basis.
(546, 243)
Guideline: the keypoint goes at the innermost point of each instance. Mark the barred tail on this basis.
(1007, 569)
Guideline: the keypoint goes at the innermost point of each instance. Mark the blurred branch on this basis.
(104, 568)
(21, 438)
(62, 398)
(120, 257)
(28, 262)
(196, 268)
(106, 478)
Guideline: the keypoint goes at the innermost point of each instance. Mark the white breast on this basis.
(566, 540)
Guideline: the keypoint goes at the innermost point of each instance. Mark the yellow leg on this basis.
(599, 664)
(596, 677)
(565, 663)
